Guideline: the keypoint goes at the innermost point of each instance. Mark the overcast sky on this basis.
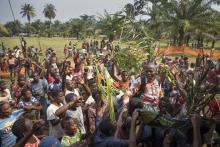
(65, 9)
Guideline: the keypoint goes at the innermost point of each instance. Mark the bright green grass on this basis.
(55, 42)
(58, 44)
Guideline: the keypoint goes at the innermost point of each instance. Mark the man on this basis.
(7, 119)
(71, 88)
(147, 87)
(39, 89)
(57, 84)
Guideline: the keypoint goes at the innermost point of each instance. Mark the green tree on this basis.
(3, 31)
(49, 11)
(180, 17)
(28, 11)
(14, 27)
(76, 27)
(109, 23)
(38, 27)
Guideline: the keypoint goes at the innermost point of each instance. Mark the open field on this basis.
(43, 42)
(58, 43)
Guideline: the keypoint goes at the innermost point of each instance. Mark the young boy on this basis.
(54, 121)
(72, 133)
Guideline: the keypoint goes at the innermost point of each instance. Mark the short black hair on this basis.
(66, 120)
(23, 91)
(69, 97)
(54, 94)
(18, 128)
(107, 127)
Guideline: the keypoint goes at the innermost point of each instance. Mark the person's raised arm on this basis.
(62, 110)
(88, 91)
(113, 74)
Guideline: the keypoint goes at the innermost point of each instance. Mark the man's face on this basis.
(36, 77)
(60, 97)
(57, 77)
(150, 71)
(70, 85)
(21, 82)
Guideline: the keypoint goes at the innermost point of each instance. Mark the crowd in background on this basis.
(59, 103)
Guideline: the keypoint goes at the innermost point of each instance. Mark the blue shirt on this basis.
(39, 87)
(22, 102)
(55, 86)
(7, 138)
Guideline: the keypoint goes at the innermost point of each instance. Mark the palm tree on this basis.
(180, 17)
(28, 11)
(49, 11)
(109, 23)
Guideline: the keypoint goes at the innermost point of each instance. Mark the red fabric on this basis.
(50, 79)
(214, 105)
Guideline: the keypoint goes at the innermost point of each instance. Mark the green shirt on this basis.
(69, 140)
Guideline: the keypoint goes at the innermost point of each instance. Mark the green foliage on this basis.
(49, 11)
(179, 18)
(14, 27)
(129, 58)
(28, 11)
(107, 91)
(3, 31)
(109, 23)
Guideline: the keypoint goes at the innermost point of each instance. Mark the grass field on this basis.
(43, 42)
(58, 43)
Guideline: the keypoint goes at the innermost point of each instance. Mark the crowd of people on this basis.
(60, 103)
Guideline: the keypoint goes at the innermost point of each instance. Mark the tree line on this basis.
(178, 21)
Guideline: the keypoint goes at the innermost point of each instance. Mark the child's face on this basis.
(28, 95)
(60, 97)
(72, 129)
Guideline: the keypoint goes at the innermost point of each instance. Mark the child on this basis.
(72, 133)
(29, 102)
(55, 129)
(23, 128)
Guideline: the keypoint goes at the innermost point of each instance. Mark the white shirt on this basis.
(69, 77)
(56, 130)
